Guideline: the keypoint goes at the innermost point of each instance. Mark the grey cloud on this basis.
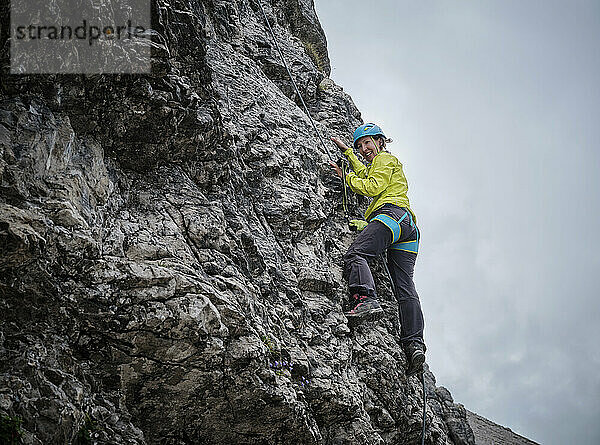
(494, 108)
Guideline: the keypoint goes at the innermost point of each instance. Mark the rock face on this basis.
(490, 433)
(170, 250)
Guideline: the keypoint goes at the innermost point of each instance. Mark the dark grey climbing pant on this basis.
(368, 245)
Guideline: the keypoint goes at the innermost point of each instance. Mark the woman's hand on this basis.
(357, 225)
(339, 143)
(337, 169)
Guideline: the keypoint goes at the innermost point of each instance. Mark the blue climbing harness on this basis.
(394, 226)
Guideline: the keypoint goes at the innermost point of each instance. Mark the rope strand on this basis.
(345, 192)
(424, 407)
(292, 79)
(345, 195)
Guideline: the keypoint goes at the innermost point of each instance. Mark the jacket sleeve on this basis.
(376, 182)
(358, 167)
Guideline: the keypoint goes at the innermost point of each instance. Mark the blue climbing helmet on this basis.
(369, 129)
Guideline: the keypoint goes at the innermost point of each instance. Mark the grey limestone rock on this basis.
(489, 433)
(170, 250)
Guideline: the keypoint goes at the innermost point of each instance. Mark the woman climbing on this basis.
(390, 225)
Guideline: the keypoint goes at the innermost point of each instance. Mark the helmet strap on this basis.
(377, 148)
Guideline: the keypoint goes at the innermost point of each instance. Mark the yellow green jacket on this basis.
(383, 180)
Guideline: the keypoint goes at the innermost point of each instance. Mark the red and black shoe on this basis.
(363, 308)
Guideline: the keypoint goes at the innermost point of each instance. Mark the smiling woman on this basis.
(390, 227)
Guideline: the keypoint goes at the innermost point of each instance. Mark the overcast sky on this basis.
(493, 108)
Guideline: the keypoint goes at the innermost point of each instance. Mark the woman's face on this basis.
(367, 147)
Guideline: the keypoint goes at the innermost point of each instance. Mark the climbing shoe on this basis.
(364, 308)
(415, 354)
